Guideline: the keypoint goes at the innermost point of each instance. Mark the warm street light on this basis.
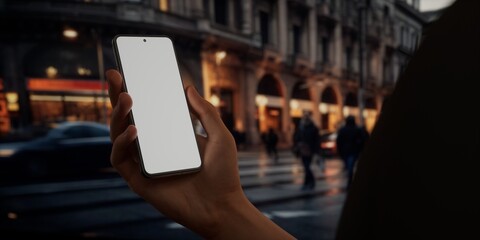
(70, 33)
(51, 72)
(214, 100)
(219, 56)
(323, 108)
(294, 104)
(261, 100)
(12, 100)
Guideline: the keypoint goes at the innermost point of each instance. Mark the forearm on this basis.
(245, 221)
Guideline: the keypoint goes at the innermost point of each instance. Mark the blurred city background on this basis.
(262, 63)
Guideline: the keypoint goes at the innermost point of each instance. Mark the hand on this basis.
(210, 202)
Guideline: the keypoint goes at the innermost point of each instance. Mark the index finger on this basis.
(115, 85)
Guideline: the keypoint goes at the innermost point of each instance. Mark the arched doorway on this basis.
(300, 101)
(370, 113)
(350, 107)
(269, 102)
(329, 110)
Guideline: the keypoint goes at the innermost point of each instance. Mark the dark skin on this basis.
(210, 202)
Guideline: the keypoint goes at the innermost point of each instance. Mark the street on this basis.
(105, 208)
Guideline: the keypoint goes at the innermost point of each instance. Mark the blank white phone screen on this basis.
(165, 133)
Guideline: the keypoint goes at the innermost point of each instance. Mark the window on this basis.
(414, 41)
(402, 36)
(238, 11)
(325, 49)
(297, 38)
(348, 58)
(163, 5)
(387, 71)
(264, 27)
(220, 11)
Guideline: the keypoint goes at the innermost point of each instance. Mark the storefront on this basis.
(56, 100)
(4, 116)
(300, 102)
(350, 107)
(270, 104)
(329, 110)
(370, 113)
(63, 83)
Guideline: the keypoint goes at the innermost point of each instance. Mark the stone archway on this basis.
(270, 104)
(300, 101)
(329, 109)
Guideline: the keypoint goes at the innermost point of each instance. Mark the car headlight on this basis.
(6, 152)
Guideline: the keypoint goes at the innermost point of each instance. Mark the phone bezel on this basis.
(131, 115)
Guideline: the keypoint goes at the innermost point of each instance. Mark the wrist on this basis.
(239, 219)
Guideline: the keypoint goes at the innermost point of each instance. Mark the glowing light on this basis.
(261, 100)
(51, 72)
(215, 100)
(6, 152)
(365, 113)
(323, 108)
(219, 56)
(70, 33)
(12, 97)
(84, 71)
(346, 111)
(12, 215)
(274, 113)
(328, 145)
(294, 104)
(12, 101)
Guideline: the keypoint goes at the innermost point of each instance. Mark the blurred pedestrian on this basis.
(306, 141)
(350, 141)
(271, 141)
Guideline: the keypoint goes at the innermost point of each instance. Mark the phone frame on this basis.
(118, 62)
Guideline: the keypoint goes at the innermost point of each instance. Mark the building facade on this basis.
(261, 63)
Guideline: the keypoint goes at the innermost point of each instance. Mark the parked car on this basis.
(69, 147)
(328, 144)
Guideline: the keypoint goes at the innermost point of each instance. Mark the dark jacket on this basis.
(307, 135)
(350, 140)
(417, 177)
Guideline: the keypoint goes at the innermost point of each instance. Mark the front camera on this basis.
(144, 40)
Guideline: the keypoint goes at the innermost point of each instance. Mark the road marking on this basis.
(295, 214)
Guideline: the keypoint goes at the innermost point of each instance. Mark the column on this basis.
(337, 50)
(196, 9)
(312, 34)
(249, 93)
(247, 16)
(282, 28)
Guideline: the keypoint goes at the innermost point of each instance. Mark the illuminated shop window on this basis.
(163, 5)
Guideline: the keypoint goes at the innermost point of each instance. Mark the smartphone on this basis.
(166, 139)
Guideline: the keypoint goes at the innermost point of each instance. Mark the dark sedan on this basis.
(69, 147)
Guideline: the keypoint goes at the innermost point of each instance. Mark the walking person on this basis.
(350, 141)
(306, 141)
(271, 141)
